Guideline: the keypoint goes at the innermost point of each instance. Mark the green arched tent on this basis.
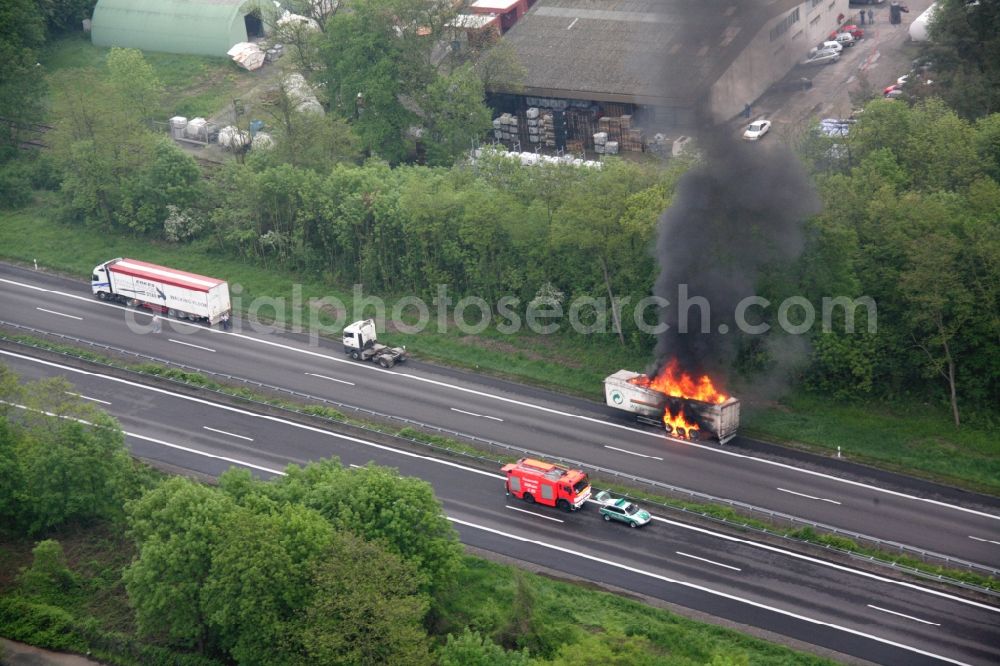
(204, 27)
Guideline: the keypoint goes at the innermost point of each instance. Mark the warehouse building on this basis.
(668, 64)
(202, 27)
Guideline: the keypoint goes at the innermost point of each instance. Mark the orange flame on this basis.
(678, 425)
(677, 384)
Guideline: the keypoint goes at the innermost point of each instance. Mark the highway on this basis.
(856, 613)
(891, 507)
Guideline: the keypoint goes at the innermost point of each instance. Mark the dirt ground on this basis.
(19, 654)
(884, 54)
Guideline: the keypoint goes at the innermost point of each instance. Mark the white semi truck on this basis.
(721, 421)
(361, 343)
(163, 290)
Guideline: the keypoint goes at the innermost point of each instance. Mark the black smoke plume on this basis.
(741, 208)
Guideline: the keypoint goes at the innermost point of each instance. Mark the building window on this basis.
(785, 24)
(832, 5)
(815, 19)
(815, 2)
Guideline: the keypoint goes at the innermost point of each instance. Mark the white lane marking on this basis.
(908, 617)
(632, 453)
(718, 564)
(827, 564)
(659, 435)
(448, 463)
(355, 466)
(482, 416)
(87, 397)
(532, 513)
(60, 314)
(231, 434)
(812, 497)
(573, 23)
(332, 379)
(975, 538)
(264, 417)
(707, 590)
(188, 344)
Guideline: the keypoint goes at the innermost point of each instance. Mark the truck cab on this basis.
(536, 481)
(361, 343)
(100, 281)
(359, 336)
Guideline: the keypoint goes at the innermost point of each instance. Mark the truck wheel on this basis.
(384, 362)
(564, 505)
(607, 518)
(355, 355)
(529, 498)
(102, 296)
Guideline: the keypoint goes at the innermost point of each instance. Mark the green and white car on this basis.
(621, 510)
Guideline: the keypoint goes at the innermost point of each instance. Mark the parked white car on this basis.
(826, 57)
(756, 130)
(830, 46)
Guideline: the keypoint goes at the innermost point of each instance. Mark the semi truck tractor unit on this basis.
(361, 344)
(162, 290)
(720, 421)
(546, 483)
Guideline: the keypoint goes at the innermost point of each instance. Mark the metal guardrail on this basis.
(517, 451)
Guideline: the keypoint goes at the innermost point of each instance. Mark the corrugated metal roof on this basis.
(204, 27)
(662, 52)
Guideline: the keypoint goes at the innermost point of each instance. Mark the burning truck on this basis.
(685, 406)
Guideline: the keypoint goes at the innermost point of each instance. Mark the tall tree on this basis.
(367, 608)
(22, 87)
(261, 580)
(455, 115)
(177, 528)
(964, 47)
(135, 83)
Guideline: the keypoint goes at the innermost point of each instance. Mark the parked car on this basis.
(834, 127)
(801, 83)
(831, 46)
(891, 89)
(844, 39)
(822, 58)
(756, 130)
(855, 31)
(621, 510)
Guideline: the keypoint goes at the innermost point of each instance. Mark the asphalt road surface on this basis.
(891, 507)
(837, 607)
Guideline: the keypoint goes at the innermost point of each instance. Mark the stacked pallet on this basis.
(611, 125)
(548, 132)
(534, 125)
(505, 127)
(600, 140)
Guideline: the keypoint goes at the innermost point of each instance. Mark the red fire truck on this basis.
(536, 481)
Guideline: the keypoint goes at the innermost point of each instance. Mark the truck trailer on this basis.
(720, 421)
(163, 290)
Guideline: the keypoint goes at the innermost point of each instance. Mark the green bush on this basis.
(15, 186)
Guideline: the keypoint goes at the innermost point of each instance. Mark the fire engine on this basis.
(537, 481)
